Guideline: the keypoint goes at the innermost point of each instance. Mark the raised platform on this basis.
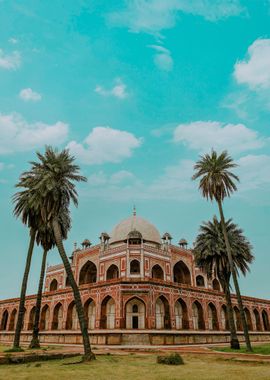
(136, 337)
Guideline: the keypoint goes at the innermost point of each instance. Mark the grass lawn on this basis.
(137, 367)
(263, 349)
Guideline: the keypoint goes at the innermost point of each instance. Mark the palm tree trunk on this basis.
(35, 341)
(234, 340)
(88, 354)
(19, 324)
(235, 281)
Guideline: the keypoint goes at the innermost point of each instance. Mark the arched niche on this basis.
(237, 319)
(4, 320)
(45, 318)
(13, 320)
(197, 316)
(265, 321)
(107, 319)
(157, 272)
(135, 267)
(216, 285)
(57, 322)
(88, 273)
(31, 318)
(181, 315)
(112, 272)
(135, 314)
(200, 281)
(163, 318)
(53, 285)
(90, 313)
(212, 317)
(257, 320)
(181, 273)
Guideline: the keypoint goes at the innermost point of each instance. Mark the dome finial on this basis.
(134, 210)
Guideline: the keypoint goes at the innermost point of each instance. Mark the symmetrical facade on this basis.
(135, 281)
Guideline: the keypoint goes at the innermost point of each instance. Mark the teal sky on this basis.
(137, 90)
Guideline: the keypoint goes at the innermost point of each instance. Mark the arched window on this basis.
(181, 315)
(53, 285)
(135, 267)
(90, 313)
(181, 273)
(212, 317)
(108, 313)
(163, 319)
(200, 281)
(12, 321)
(88, 273)
(157, 272)
(265, 321)
(216, 284)
(257, 320)
(44, 318)
(4, 320)
(112, 272)
(197, 316)
(135, 314)
(57, 323)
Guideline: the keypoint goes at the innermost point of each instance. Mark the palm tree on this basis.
(45, 238)
(216, 183)
(51, 181)
(210, 254)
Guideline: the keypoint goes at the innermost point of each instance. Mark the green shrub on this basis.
(172, 359)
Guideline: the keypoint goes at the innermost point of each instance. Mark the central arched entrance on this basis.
(107, 320)
(135, 314)
(163, 320)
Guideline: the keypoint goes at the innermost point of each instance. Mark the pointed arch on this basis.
(90, 313)
(135, 313)
(112, 272)
(257, 320)
(197, 316)
(45, 318)
(181, 273)
(181, 315)
(4, 320)
(107, 319)
(163, 318)
(135, 267)
(31, 318)
(216, 285)
(265, 321)
(248, 318)
(57, 322)
(157, 272)
(200, 281)
(237, 318)
(88, 273)
(53, 285)
(13, 320)
(212, 317)
(224, 318)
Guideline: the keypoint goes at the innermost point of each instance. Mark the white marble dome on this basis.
(122, 229)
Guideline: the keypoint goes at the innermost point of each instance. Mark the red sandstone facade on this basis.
(134, 281)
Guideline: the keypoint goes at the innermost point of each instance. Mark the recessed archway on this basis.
(88, 273)
(181, 273)
(248, 319)
(224, 318)
(237, 318)
(200, 281)
(112, 272)
(265, 321)
(163, 319)
(45, 318)
(107, 320)
(257, 320)
(4, 321)
(12, 320)
(72, 317)
(53, 285)
(57, 323)
(135, 267)
(31, 318)
(181, 315)
(197, 316)
(212, 317)
(135, 314)
(157, 272)
(216, 285)
(90, 313)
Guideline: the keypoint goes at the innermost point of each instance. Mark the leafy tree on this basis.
(211, 255)
(216, 183)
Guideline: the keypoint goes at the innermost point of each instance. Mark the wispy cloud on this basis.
(204, 135)
(105, 144)
(17, 135)
(27, 94)
(119, 90)
(162, 58)
(10, 61)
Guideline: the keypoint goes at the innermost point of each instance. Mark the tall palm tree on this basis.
(45, 238)
(216, 183)
(210, 254)
(51, 181)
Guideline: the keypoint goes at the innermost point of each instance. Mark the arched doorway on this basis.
(45, 318)
(31, 318)
(257, 320)
(212, 317)
(181, 315)
(197, 316)
(72, 317)
(224, 318)
(112, 272)
(53, 285)
(135, 267)
(88, 273)
(163, 320)
(107, 320)
(181, 273)
(13, 320)
(200, 281)
(237, 318)
(265, 321)
(248, 319)
(157, 272)
(216, 285)
(57, 323)
(90, 313)
(135, 314)
(4, 320)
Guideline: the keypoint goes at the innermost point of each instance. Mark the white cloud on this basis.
(105, 144)
(16, 134)
(162, 58)
(27, 94)
(152, 16)
(254, 172)
(205, 135)
(13, 40)
(1, 165)
(255, 70)
(10, 61)
(118, 90)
